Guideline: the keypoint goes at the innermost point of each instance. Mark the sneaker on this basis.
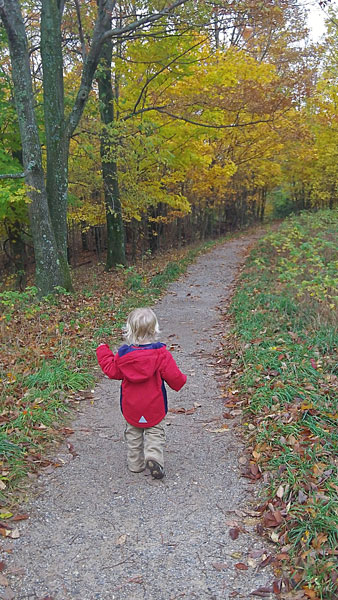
(137, 470)
(156, 470)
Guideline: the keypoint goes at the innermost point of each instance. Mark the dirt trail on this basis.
(99, 532)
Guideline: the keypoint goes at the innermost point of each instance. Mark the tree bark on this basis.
(57, 143)
(49, 272)
(115, 230)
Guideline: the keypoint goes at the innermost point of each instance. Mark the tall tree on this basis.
(48, 264)
(115, 228)
(48, 207)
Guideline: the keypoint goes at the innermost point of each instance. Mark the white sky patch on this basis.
(316, 17)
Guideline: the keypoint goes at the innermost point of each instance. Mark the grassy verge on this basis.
(48, 355)
(285, 340)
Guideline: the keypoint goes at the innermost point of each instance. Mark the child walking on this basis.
(143, 365)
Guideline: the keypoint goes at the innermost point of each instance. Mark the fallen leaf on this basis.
(232, 523)
(227, 415)
(2, 485)
(20, 517)
(219, 566)
(72, 450)
(252, 563)
(272, 518)
(310, 594)
(190, 411)
(121, 540)
(66, 430)
(234, 533)
(280, 492)
(262, 592)
(257, 553)
(269, 559)
(14, 534)
(253, 513)
(177, 410)
(4, 532)
(282, 556)
(277, 586)
(250, 520)
(220, 429)
(302, 497)
(241, 566)
(3, 580)
(254, 470)
(2, 565)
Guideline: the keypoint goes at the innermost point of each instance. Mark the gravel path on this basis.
(97, 531)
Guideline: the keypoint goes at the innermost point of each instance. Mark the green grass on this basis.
(285, 340)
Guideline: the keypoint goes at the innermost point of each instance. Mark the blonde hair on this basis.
(142, 326)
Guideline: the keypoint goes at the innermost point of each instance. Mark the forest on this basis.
(132, 127)
(141, 141)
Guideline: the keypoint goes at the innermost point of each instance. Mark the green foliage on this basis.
(282, 204)
(134, 280)
(285, 327)
(13, 198)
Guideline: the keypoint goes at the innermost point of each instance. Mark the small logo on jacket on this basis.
(143, 420)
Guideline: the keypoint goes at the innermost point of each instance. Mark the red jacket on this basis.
(143, 370)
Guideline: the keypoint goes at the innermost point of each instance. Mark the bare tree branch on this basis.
(162, 110)
(141, 111)
(143, 21)
(175, 59)
(102, 32)
(30, 166)
(79, 22)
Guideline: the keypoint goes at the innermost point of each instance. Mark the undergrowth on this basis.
(285, 340)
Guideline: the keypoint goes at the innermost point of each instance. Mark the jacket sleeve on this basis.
(107, 362)
(171, 373)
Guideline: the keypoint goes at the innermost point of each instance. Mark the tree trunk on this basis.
(57, 142)
(115, 230)
(263, 203)
(49, 272)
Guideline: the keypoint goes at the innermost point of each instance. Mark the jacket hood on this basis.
(139, 363)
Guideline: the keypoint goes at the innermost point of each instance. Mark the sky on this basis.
(316, 19)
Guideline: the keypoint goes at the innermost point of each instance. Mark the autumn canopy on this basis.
(147, 124)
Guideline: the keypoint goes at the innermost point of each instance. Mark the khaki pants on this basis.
(144, 444)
